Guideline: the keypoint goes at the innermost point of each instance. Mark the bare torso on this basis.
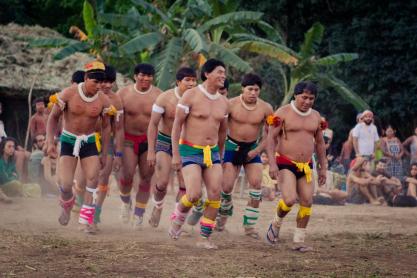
(296, 139)
(137, 109)
(245, 125)
(202, 124)
(169, 102)
(116, 101)
(38, 124)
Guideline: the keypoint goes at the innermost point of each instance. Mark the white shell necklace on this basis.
(176, 93)
(83, 96)
(246, 106)
(207, 94)
(308, 112)
(142, 93)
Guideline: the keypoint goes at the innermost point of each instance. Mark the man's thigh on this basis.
(213, 177)
(163, 167)
(91, 167)
(145, 171)
(130, 160)
(67, 165)
(230, 173)
(288, 184)
(192, 175)
(305, 191)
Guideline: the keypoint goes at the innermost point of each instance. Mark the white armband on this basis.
(118, 113)
(184, 107)
(158, 109)
(61, 103)
(226, 116)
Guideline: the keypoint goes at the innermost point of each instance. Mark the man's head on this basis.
(367, 117)
(94, 76)
(39, 105)
(381, 165)
(214, 72)
(225, 89)
(186, 79)
(251, 87)
(77, 77)
(7, 147)
(305, 93)
(109, 79)
(144, 74)
(389, 131)
(413, 170)
(39, 141)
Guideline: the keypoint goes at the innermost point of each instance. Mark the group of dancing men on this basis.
(194, 130)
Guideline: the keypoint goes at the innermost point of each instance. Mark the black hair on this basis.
(251, 79)
(110, 73)
(305, 86)
(411, 167)
(382, 160)
(39, 99)
(185, 72)
(225, 85)
(3, 145)
(209, 66)
(147, 69)
(78, 76)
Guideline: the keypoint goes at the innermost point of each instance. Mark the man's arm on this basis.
(405, 145)
(181, 113)
(274, 123)
(51, 128)
(321, 155)
(158, 110)
(262, 143)
(32, 126)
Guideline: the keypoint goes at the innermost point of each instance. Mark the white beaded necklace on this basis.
(207, 94)
(83, 96)
(176, 93)
(246, 106)
(142, 93)
(308, 112)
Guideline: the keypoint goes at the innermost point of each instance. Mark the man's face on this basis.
(380, 167)
(40, 107)
(367, 118)
(106, 86)
(143, 81)
(304, 101)
(40, 141)
(217, 77)
(9, 148)
(250, 93)
(187, 83)
(92, 86)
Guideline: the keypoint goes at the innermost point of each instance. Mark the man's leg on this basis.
(213, 177)
(78, 187)
(130, 161)
(253, 172)
(364, 189)
(91, 169)
(103, 188)
(193, 178)
(288, 184)
(65, 182)
(181, 185)
(144, 189)
(305, 193)
(230, 173)
(162, 174)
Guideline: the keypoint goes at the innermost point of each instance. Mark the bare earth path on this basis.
(349, 241)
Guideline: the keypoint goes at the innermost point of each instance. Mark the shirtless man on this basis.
(247, 117)
(137, 100)
(200, 122)
(115, 154)
(159, 139)
(81, 106)
(38, 121)
(297, 129)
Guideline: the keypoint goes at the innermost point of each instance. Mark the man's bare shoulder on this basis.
(316, 114)
(265, 106)
(157, 90)
(123, 91)
(282, 111)
(68, 92)
(233, 101)
(163, 98)
(190, 95)
(116, 100)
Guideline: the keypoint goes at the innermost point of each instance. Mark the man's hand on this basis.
(176, 161)
(117, 163)
(151, 159)
(252, 154)
(51, 151)
(322, 176)
(103, 160)
(273, 171)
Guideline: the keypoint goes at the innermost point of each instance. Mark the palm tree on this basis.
(305, 64)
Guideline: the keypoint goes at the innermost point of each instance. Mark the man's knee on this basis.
(188, 200)
(213, 192)
(92, 181)
(306, 202)
(289, 200)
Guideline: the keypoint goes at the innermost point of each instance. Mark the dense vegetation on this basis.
(382, 33)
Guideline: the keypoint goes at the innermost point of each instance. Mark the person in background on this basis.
(2, 130)
(411, 181)
(393, 151)
(269, 185)
(38, 121)
(365, 136)
(9, 179)
(35, 170)
(411, 142)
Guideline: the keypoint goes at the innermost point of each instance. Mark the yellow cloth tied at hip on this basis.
(206, 152)
(98, 141)
(304, 167)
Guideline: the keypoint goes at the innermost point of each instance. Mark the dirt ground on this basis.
(348, 241)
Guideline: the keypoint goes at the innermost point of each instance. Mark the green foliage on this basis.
(89, 18)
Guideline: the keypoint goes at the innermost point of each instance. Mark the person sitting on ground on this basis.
(269, 186)
(397, 198)
(50, 171)
(34, 165)
(411, 181)
(387, 183)
(360, 183)
(9, 183)
(2, 131)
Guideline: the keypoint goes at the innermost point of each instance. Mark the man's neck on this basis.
(210, 88)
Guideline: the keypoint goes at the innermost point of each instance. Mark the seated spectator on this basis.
(2, 130)
(387, 182)
(269, 186)
(411, 181)
(50, 171)
(361, 184)
(332, 193)
(34, 166)
(9, 184)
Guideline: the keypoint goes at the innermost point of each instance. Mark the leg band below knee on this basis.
(226, 206)
(144, 187)
(255, 194)
(185, 202)
(283, 206)
(251, 216)
(140, 208)
(206, 225)
(199, 205)
(158, 204)
(125, 198)
(178, 217)
(299, 235)
(303, 212)
(97, 215)
(213, 203)
(86, 214)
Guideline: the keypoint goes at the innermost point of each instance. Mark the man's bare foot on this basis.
(221, 223)
(251, 232)
(66, 207)
(4, 198)
(155, 217)
(88, 229)
(272, 235)
(206, 243)
(174, 231)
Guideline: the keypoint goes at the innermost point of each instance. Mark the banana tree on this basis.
(305, 64)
